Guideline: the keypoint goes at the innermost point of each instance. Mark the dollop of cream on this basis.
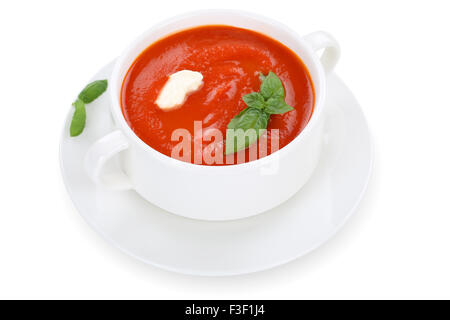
(177, 88)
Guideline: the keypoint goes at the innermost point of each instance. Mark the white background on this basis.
(395, 58)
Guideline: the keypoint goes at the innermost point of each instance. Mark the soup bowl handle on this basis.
(322, 40)
(99, 154)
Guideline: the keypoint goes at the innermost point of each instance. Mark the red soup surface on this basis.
(230, 60)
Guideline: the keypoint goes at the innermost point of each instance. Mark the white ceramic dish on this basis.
(215, 192)
(280, 235)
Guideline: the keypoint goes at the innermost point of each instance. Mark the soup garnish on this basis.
(260, 105)
(91, 92)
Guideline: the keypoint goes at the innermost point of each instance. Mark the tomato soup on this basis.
(230, 60)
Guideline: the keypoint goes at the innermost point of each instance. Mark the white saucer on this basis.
(273, 238)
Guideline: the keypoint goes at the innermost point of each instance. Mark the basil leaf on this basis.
(78, 119)
(254, 100)
(272, 86)
(93, 90)
(249, 118)
(245, 129)
(277, 106)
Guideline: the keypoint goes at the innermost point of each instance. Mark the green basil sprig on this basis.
(91, 92)
(78, 119)
(260, 105)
